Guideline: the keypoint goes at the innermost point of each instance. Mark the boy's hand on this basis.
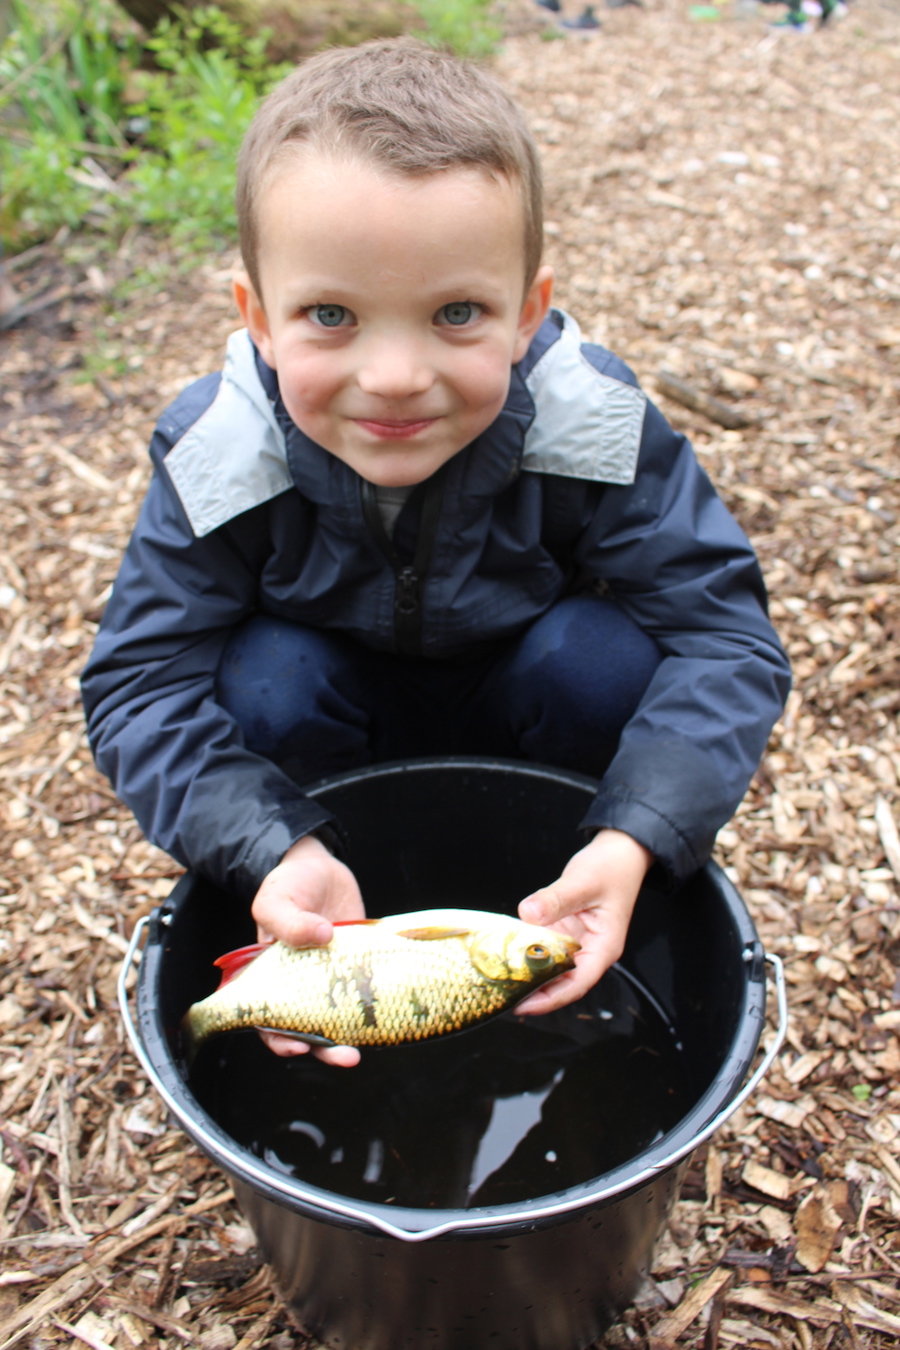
(297, 903)
(592, 901)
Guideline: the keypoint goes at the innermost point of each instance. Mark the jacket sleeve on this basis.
(679, 564)
(171, 752)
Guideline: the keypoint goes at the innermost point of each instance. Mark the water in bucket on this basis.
(512, 1110)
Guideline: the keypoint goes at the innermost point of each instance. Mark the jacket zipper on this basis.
(409, 577)
(407, 596)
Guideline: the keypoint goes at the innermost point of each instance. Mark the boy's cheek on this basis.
(488, 382)
(308, 384)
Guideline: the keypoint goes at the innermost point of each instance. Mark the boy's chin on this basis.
(397, 470)
(396, 480)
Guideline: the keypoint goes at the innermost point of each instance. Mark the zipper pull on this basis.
(406, 596)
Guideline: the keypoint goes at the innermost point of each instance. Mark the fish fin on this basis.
(318, 1042)
(351, 923)
(232, 963)
(433, 934)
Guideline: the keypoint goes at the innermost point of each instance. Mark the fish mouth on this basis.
(566, 962)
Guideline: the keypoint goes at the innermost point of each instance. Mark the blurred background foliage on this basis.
(121, 115)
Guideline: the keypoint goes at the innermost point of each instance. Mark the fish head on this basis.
(524, 953)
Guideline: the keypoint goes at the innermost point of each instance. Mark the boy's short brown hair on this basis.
(406, 106)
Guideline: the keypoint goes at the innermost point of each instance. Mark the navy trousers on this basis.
(317, 703)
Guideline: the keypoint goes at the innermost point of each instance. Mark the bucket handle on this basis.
(321, 1200)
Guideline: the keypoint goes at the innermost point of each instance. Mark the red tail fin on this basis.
(232, 963)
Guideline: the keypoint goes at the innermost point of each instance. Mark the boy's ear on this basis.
(534, 310)
(254, 316)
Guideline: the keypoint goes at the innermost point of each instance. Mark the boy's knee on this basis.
(575, 681)
(586, 640)
(262, 653)
(273, 678)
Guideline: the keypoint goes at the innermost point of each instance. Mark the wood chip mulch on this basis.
(723, 207)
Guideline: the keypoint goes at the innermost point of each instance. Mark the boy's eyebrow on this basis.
(316, 293)
(310, 291)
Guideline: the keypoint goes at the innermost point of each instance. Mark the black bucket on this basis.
(545, 1274)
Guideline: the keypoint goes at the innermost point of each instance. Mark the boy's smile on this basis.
(392, 307)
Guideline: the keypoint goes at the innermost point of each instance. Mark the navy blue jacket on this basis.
(578, 477)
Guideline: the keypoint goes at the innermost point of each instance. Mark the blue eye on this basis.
(459, 312)
(328, 316)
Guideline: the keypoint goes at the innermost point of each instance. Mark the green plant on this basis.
(198, 104)
(63, 70)
(68, 87)
(39, 194)
(465, 26)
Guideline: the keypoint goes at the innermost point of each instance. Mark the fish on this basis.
(407, 977)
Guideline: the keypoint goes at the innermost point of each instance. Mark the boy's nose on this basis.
(395, 369)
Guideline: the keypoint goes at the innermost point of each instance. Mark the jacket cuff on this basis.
(295, 820)
(672, 852)
(666, 795)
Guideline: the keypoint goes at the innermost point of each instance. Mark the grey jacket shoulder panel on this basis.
(587, 424)
(233, 457)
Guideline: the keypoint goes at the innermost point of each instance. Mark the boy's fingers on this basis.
(281, 918)
(543, 907)
(568, 895)
(593, 900)
(599, 950)
(341, 1056)
(545, 1000)
(567, 988)
(285, 1046)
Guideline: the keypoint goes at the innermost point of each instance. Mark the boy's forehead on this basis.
(305, 186)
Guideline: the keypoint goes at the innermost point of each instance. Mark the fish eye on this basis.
(538, 956)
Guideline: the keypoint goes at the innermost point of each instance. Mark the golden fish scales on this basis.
(388, 981)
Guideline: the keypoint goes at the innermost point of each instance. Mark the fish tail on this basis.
(195, 1030)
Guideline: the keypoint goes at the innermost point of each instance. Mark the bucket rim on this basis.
(697, 1125)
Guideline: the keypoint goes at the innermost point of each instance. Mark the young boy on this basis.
(415, 516)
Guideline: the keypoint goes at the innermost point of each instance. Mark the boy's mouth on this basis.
(395, 430)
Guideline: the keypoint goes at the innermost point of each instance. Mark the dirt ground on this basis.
(723, 203)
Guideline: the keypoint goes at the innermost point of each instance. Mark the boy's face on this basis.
(392, 308)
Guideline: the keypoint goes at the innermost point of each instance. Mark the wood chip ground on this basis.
(723, 203)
